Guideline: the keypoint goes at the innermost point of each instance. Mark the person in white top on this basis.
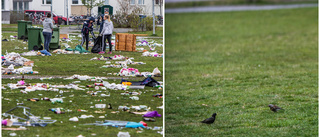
(106, 34)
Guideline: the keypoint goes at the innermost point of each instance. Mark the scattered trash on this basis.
(129, 72)
(157, 95)
(152, 114)
(134, 98)
(123, 134)
(100, 105)
(80, 110)
(57, 110)
(13, 134)
(149, 119)
(15, 129)
(85, 116)
(157, 128)
(31, 119)
(75, 119)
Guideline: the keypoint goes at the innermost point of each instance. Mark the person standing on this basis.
(47, 31)
(106, 34)
(87, 27)
(100, 23)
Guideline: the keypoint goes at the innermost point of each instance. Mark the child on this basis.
(87, 27)
(106, 34)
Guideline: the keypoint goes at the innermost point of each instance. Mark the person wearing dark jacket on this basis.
(86, 29)
(47, 31)
(100, 23)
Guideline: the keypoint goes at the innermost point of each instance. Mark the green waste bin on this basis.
(35, 38)
(23, 29)
(105, 9)
(54, 43)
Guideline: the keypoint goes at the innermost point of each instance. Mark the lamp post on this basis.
(153, 17)
(51, 10)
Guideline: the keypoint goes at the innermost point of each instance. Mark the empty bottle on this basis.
(149, 119)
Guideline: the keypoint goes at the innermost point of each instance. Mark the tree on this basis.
(91, 4)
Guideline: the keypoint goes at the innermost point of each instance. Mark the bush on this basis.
(16, 15)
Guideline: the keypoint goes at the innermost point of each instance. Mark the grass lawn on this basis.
(235, 64)
(234, 2)
(81, 100)
(68, 65)
(158, 31)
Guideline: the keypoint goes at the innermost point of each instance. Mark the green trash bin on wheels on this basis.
(105, 9)
(54, 43)
(35, 38)
(23, 29)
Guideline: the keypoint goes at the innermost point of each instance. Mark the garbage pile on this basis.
(36, 53)
(143, 42)
(122, 64)
(115, 57)
(129, 72)
(14, 59)
(151, 54)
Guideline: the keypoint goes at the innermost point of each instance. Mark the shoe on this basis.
(101, 52)
(109, 52)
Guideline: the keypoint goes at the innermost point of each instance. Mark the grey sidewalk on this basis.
(237, 8)
(72, 29)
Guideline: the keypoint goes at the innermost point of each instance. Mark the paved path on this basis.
(237, 8)
(71, 30)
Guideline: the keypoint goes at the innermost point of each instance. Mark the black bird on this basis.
(210, 120)
(274, 108)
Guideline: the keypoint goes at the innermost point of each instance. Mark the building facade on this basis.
(74, 7)
(146, 5)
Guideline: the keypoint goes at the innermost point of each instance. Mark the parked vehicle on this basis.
(37, 16)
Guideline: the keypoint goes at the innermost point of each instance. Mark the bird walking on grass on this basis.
(210, 120)
(274, 108)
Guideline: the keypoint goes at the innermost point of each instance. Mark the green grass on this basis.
(9, 29)
(158, 32)
(237, 63)
(9, 25)
(69, 64)
(64, 127)
(234, 2)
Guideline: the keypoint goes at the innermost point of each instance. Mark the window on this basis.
(132, 2)
(75, 1)
(141, 2)
(26, 5)
(2, 4)
(48, 1)
(106, 2)
(15, 6)
(20, 6)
